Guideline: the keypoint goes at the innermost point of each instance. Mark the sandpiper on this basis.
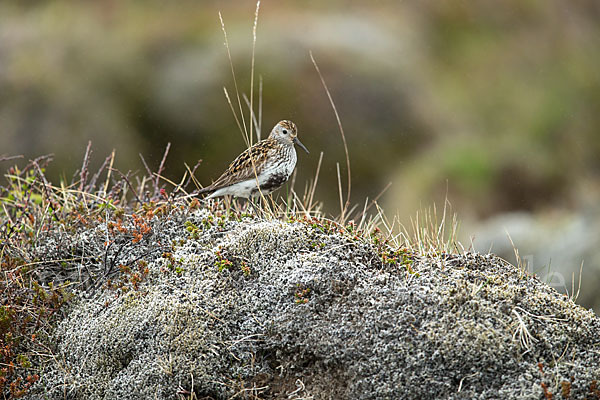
(262, 168)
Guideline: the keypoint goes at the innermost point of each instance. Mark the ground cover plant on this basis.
(43, 269)
(125, 285)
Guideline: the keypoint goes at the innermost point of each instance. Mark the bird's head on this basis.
(286, 132)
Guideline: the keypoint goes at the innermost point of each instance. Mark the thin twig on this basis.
(260, 98)
(252, 66)
(337, 117)
(314, 185)
(109, 170)
(573, 295)
(253, 115)
(342, 208)
(161, 168)
(191, 174)
(375, 199)
(46, 185)
(126, 179)
(177, 186)
(148, 170)
(95, 177)
(84, 167)
(237, 121)
(245, 131)
(6, 158)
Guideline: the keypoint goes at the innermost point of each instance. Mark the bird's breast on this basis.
(277, 171)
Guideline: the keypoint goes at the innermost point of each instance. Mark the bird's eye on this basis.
(285, 131)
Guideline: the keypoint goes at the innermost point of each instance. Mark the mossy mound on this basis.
(267, 309)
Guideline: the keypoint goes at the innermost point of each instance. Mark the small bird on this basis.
(266, 165)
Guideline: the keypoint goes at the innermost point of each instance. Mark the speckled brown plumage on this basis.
(266, 165)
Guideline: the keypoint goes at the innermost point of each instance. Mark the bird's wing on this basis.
(246, 166)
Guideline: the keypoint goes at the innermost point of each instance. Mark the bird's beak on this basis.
(299, 143)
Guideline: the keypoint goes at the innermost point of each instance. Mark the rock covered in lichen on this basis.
(292, 310)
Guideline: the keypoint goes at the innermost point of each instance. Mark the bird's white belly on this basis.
(271, 178)
(240, 189)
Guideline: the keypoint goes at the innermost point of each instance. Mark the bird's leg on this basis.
(250, 206)
(239, 207)
(223, 203)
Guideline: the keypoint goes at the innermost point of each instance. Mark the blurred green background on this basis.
(495, 105)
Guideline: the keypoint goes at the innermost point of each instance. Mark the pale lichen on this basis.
(363, 328)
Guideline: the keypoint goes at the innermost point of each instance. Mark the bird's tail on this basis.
(206, 190)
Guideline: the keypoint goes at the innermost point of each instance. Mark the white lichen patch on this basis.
(267, 309)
